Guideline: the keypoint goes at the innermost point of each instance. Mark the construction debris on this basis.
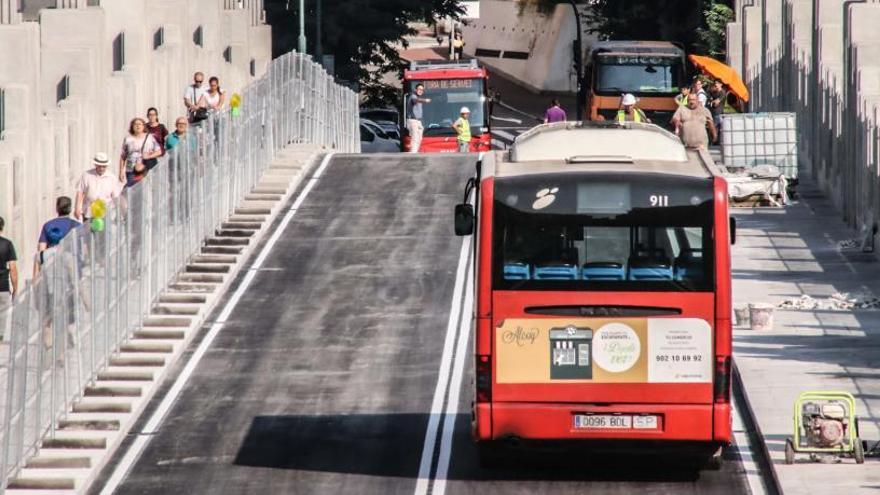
(837, 302)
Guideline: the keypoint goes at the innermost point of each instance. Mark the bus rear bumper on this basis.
(549, 421)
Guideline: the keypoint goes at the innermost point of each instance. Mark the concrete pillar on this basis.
(10, 12)
(753, 52)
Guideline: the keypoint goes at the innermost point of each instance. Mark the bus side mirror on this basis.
(732, 230)
(464, 219)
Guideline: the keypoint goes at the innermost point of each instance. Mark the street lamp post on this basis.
(301, 45)
(579, 62)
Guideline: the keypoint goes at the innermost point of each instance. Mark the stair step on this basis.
(228, 241)
(75, 442)
(167, 321)
(207, 268)
(270, 190)
(241, 225)
(125, 376)
(147, 347)
(175, 309)
(105, 391)
(42, 484)
(52, 462)
(193, 287)
(247, 218)
(142, 361)
(159, 334)
(234, 233)
(101, 407)
(262, 197)
(99, 425)
(215, 258)
(183, 297)
(253, 210)
(201, 277)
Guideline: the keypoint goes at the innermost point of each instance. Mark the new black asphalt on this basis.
(321, 380)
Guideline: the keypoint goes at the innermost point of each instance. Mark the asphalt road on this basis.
(323, 377)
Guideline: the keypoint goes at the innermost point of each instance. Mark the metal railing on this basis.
(95, 288)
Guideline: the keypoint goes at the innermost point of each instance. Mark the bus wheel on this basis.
(491, 454)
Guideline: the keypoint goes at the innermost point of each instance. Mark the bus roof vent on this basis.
(593, 142)
(443, 64)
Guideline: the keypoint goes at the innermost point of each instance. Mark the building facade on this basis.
(73, 73)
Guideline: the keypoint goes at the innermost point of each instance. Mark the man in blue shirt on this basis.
(56, 229)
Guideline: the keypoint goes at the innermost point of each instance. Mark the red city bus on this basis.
(450, 86)
(603, 293)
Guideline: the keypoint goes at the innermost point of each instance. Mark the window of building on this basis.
(158, 38)
(227, 54)
(118, 52)
(253, 67)
(198, 37)
(62, 89)
(17, 181)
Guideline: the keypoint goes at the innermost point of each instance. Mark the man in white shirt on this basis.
(193, 93)
(698, 90)
(94, 184)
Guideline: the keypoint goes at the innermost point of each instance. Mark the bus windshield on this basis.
(616, 74)
(620, 232)
(447, 97)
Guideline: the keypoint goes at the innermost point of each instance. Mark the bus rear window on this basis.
(627, 232)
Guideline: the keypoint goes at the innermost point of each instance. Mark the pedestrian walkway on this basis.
(783, 254)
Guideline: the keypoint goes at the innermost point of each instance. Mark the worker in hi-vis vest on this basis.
(629, 112)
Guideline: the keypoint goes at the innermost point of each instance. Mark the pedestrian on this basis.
(96, 184)
(681, 99)
(629, 112)
(156, 128)
(691, 123)
(698, 90)
(56, 229)
(458, 47)
(414, 117)
(554, 113)
(139, 149)
(462, 128)
(8, 279)
(179, 135)
(192, 96)
(214, 97)
(717, 100)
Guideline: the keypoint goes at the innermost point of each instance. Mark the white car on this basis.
(375, 140)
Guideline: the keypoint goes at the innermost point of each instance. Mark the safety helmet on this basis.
(465, 110)
(628, 99)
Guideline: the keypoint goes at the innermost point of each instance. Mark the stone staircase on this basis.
(89, 434)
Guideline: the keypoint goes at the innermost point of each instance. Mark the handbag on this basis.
(199, 114)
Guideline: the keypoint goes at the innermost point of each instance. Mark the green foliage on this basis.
(685, 21)
(712, 37)
(361, 34)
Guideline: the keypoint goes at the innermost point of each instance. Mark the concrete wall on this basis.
(821, 59)
(505, 26)
(47, 143)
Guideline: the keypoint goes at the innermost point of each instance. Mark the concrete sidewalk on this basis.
(783, 254)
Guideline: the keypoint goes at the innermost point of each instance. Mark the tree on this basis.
(699, 24)
(361, 34)
(712, 38)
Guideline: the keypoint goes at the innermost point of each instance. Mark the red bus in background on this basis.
(603, 292)
(450, 86)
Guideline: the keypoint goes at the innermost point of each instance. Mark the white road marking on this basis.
(461, 275)
(451, 413)
(151, 427)
(747, 454)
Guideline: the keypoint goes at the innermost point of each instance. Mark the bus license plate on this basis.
(608, 421)
(602, 421)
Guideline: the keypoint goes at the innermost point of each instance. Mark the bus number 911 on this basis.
(661, 200)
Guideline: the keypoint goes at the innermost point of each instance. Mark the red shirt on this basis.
(159, 133)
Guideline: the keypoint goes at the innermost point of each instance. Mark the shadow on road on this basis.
(390, 445)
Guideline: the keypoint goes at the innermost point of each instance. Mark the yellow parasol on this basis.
(723, 73)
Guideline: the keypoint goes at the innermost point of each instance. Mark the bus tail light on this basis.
(484, 378)
(722, 379)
